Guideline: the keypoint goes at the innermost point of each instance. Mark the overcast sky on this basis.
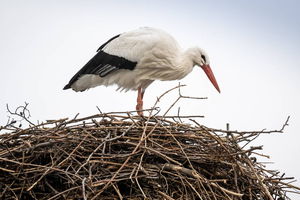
(253, 48)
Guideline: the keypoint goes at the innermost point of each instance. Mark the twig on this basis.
(120, 155)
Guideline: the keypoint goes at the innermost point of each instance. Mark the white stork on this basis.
(134, 59)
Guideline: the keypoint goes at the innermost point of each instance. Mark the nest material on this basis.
(124, 157)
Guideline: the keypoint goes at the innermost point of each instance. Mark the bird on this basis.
(133, 60)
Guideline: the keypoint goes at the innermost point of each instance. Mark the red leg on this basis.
(139, 105)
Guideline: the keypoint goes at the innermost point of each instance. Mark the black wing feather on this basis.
(102, 64)
(108, 41)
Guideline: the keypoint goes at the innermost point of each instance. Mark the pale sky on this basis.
(253, 48)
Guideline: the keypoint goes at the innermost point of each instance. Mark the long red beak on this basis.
(211, 76)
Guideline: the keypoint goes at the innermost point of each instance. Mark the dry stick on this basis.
(7, 170)
(63, 192)
(136, 148)
(165, 195)
(162, 125)
(235, 179)
(206, 192)
(194, 174)
(285, 124)
(180, 148)
(249, 132)
(53, 166)
(28, 189)
(103, 181)
(137, 171)
(41, 166)
(118, 171)
(191, 186)
(75, 149)
(183, 116)
(187, 160)
(182, 184)
(172, 105)
(15, 195)
(178, 114)
(105, 140)
(259, 179)
(251, 140)
(217, 138)
(21, 115)
(51, 187)
(131, 174)
(163, 155)
(287, 184)
(75, 120)
(181, 96)
(117, 191)
(83, 188)
(11, 150)
(262, 155)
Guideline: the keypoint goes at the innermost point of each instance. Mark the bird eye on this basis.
(203, 57)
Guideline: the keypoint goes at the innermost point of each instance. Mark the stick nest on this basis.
(120, 156)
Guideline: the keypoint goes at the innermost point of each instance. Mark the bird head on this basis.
(201, 59)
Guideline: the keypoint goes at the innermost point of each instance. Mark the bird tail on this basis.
(68, 86)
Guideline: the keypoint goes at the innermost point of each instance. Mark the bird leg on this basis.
(139, 105)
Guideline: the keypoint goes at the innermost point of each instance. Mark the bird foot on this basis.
(139, 105)
(139, 109)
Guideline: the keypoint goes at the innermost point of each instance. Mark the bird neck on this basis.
(184, 64)
(189, 57)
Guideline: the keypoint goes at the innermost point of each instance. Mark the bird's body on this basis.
(134, 59)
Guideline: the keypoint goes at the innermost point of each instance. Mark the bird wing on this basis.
(122, 51)
(133, 45)
(103, 64)
(108, 41)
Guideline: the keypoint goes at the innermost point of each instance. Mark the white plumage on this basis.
(134, 59)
